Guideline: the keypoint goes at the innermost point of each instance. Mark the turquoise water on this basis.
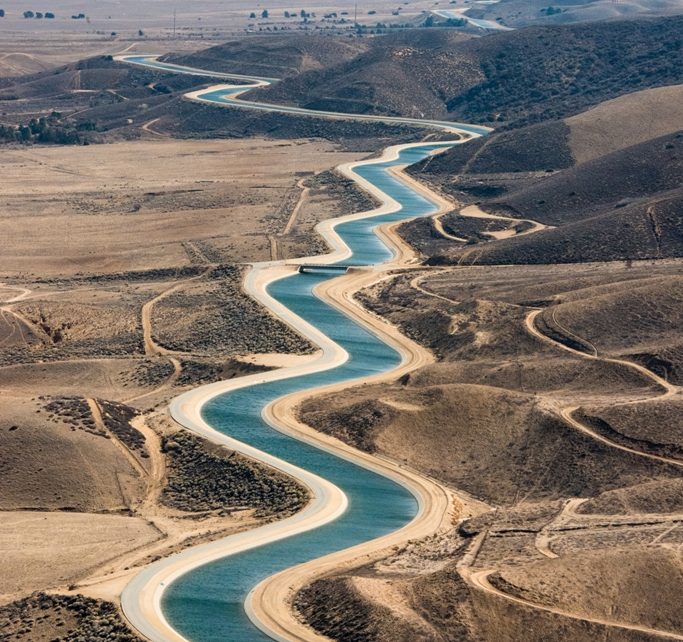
(206, 604)
(224, 96)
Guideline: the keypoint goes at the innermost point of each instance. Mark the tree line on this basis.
(46, 129)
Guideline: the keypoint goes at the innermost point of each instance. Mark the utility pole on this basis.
(355, 15)
(173, 23)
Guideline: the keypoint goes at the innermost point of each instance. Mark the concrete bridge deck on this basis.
(326, 267)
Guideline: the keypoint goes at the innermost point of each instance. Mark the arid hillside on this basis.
(513, 78)
(547, 194)
(274, 56)
(553, 411)
(608, 127)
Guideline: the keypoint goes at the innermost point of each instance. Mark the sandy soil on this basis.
(46, 549)
(89, 207)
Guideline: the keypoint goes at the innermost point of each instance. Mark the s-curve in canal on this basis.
(204, 601)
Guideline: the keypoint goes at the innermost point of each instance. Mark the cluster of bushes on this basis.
(67, 618)
(46, 129)
(37, 14)
(206, 477)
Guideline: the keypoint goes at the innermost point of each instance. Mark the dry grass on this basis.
(90, 207)
(627, 120)
(51, 464)
(48, 549)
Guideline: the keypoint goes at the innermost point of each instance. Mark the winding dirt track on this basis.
(480, 581)
(152, 348)
(567, 413)
(474, 211)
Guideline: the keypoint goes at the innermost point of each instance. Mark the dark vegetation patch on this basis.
(63, 618)
(44, 129)
(156, 274)
(356, 424)
(423, 236)
(472, 229)
(117, 418)
(220, 318)
(609, 424)
(197, 372)
(148, 373)
(327, 605)
(73, 411)
(204, 477)
(345, 192)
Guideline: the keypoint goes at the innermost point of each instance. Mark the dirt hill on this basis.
(409, 74)
(274, 56)
(517, 77)
(623, 205)
(609, 127)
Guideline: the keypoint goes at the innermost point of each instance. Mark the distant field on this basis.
(99, 201)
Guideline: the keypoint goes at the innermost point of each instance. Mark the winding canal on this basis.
(205, 602)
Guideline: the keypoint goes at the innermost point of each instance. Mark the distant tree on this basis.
(2, 13)
(264, 14)
(252, 16)
(49, 15)
(429, 22)
(141, 33)
(39, 14)
(29, 14)
(286, 14)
